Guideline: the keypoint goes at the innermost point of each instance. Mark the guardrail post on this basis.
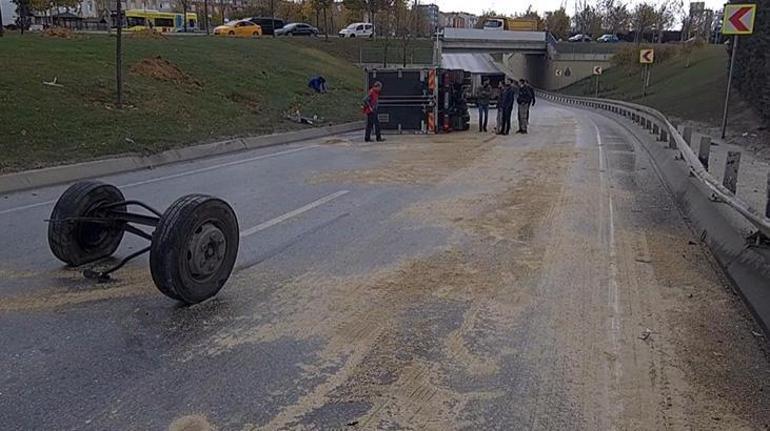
(687, 135)
(767, 205)
(655, 129)
(663, 135)
(704, 150)
(731, 170)
(671, 141)
(648, 124)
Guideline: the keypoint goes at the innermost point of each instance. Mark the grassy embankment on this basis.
(693, 92)
(210, 89)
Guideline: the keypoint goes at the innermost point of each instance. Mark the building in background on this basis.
(458, 20)
(8, 12)
(430, 16)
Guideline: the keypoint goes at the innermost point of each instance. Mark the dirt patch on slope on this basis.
(58, 32)
(163, 70)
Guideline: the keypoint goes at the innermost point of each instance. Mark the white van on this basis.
(358, 29)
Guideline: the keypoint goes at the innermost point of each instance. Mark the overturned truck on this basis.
(425, 100)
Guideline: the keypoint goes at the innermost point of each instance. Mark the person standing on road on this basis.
(485, 93)
(499, 122)
(506, 102)
(370, 109)
(526, 98)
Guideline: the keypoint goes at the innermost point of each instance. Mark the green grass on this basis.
(245, 87)
(692, 93)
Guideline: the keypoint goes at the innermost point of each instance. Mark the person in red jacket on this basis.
(370, 109)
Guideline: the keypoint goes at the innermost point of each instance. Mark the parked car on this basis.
(608, 38)
(269, 25)
(580, 38)
(297, 29)
(238, 28)
(358, 29)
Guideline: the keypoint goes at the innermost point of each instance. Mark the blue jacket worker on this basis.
(318, 84)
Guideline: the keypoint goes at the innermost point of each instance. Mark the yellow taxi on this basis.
(238, 28)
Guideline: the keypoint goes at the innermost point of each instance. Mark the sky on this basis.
(511, 7)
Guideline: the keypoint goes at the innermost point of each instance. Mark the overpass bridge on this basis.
(486, 41)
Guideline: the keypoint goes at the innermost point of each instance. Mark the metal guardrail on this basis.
(655, 120)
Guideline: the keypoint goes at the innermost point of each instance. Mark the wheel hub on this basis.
(206, 250)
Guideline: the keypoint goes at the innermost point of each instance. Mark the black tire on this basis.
(232, 33)
(194, 248)
(352, 36)
(78, 242)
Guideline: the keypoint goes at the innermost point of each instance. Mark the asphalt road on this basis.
(465, 281)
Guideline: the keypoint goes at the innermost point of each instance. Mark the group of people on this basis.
(523, 94)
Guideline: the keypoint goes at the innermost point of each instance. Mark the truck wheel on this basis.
(352, 36)
(194, 248)
(76, 242)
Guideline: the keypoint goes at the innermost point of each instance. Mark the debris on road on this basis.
(53, 83)
(757, 334)
(645, 334)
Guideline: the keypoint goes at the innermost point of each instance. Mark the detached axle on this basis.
(192, 248)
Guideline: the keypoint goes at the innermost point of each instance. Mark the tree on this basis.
(665, 15)
(615, 16)
(645, 16)
(557, 22)
(184, 5)
(588, 19)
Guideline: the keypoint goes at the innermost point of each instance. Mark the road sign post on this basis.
(646, 58)
(738, 20)
(597, 71)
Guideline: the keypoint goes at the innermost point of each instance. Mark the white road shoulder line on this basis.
(172, 176)
(293, 213)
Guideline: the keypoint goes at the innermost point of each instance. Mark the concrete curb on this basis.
(97, 168)
(720, 227)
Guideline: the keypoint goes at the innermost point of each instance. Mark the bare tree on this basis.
(557, 22)
(615, 15)
(645, 16)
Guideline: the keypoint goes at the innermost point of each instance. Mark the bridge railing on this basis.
(653, 120)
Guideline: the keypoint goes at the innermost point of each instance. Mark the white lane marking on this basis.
(613, 301)
(293, 213)
(172, 176)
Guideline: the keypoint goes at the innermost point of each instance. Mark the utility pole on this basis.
(272, 16)
(729, 82)
(119, 54)
(2, 29)
(222, 10)
(206, 15)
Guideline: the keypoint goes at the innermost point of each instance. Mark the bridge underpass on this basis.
(530, 54)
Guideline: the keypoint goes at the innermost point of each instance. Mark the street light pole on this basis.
(119, 54)
(206, 15)
(729, 83)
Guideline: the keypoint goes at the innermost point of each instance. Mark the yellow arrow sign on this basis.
(646, 56)
(739, 19)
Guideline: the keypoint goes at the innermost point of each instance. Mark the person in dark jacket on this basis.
(526, 99)
(318, 84)
(482, 100)
(370, 109)
(506, 104)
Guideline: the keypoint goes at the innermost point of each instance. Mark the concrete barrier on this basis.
(97, 168)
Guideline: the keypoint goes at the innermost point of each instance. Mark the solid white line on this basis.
(173, 176)
(293, 213)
